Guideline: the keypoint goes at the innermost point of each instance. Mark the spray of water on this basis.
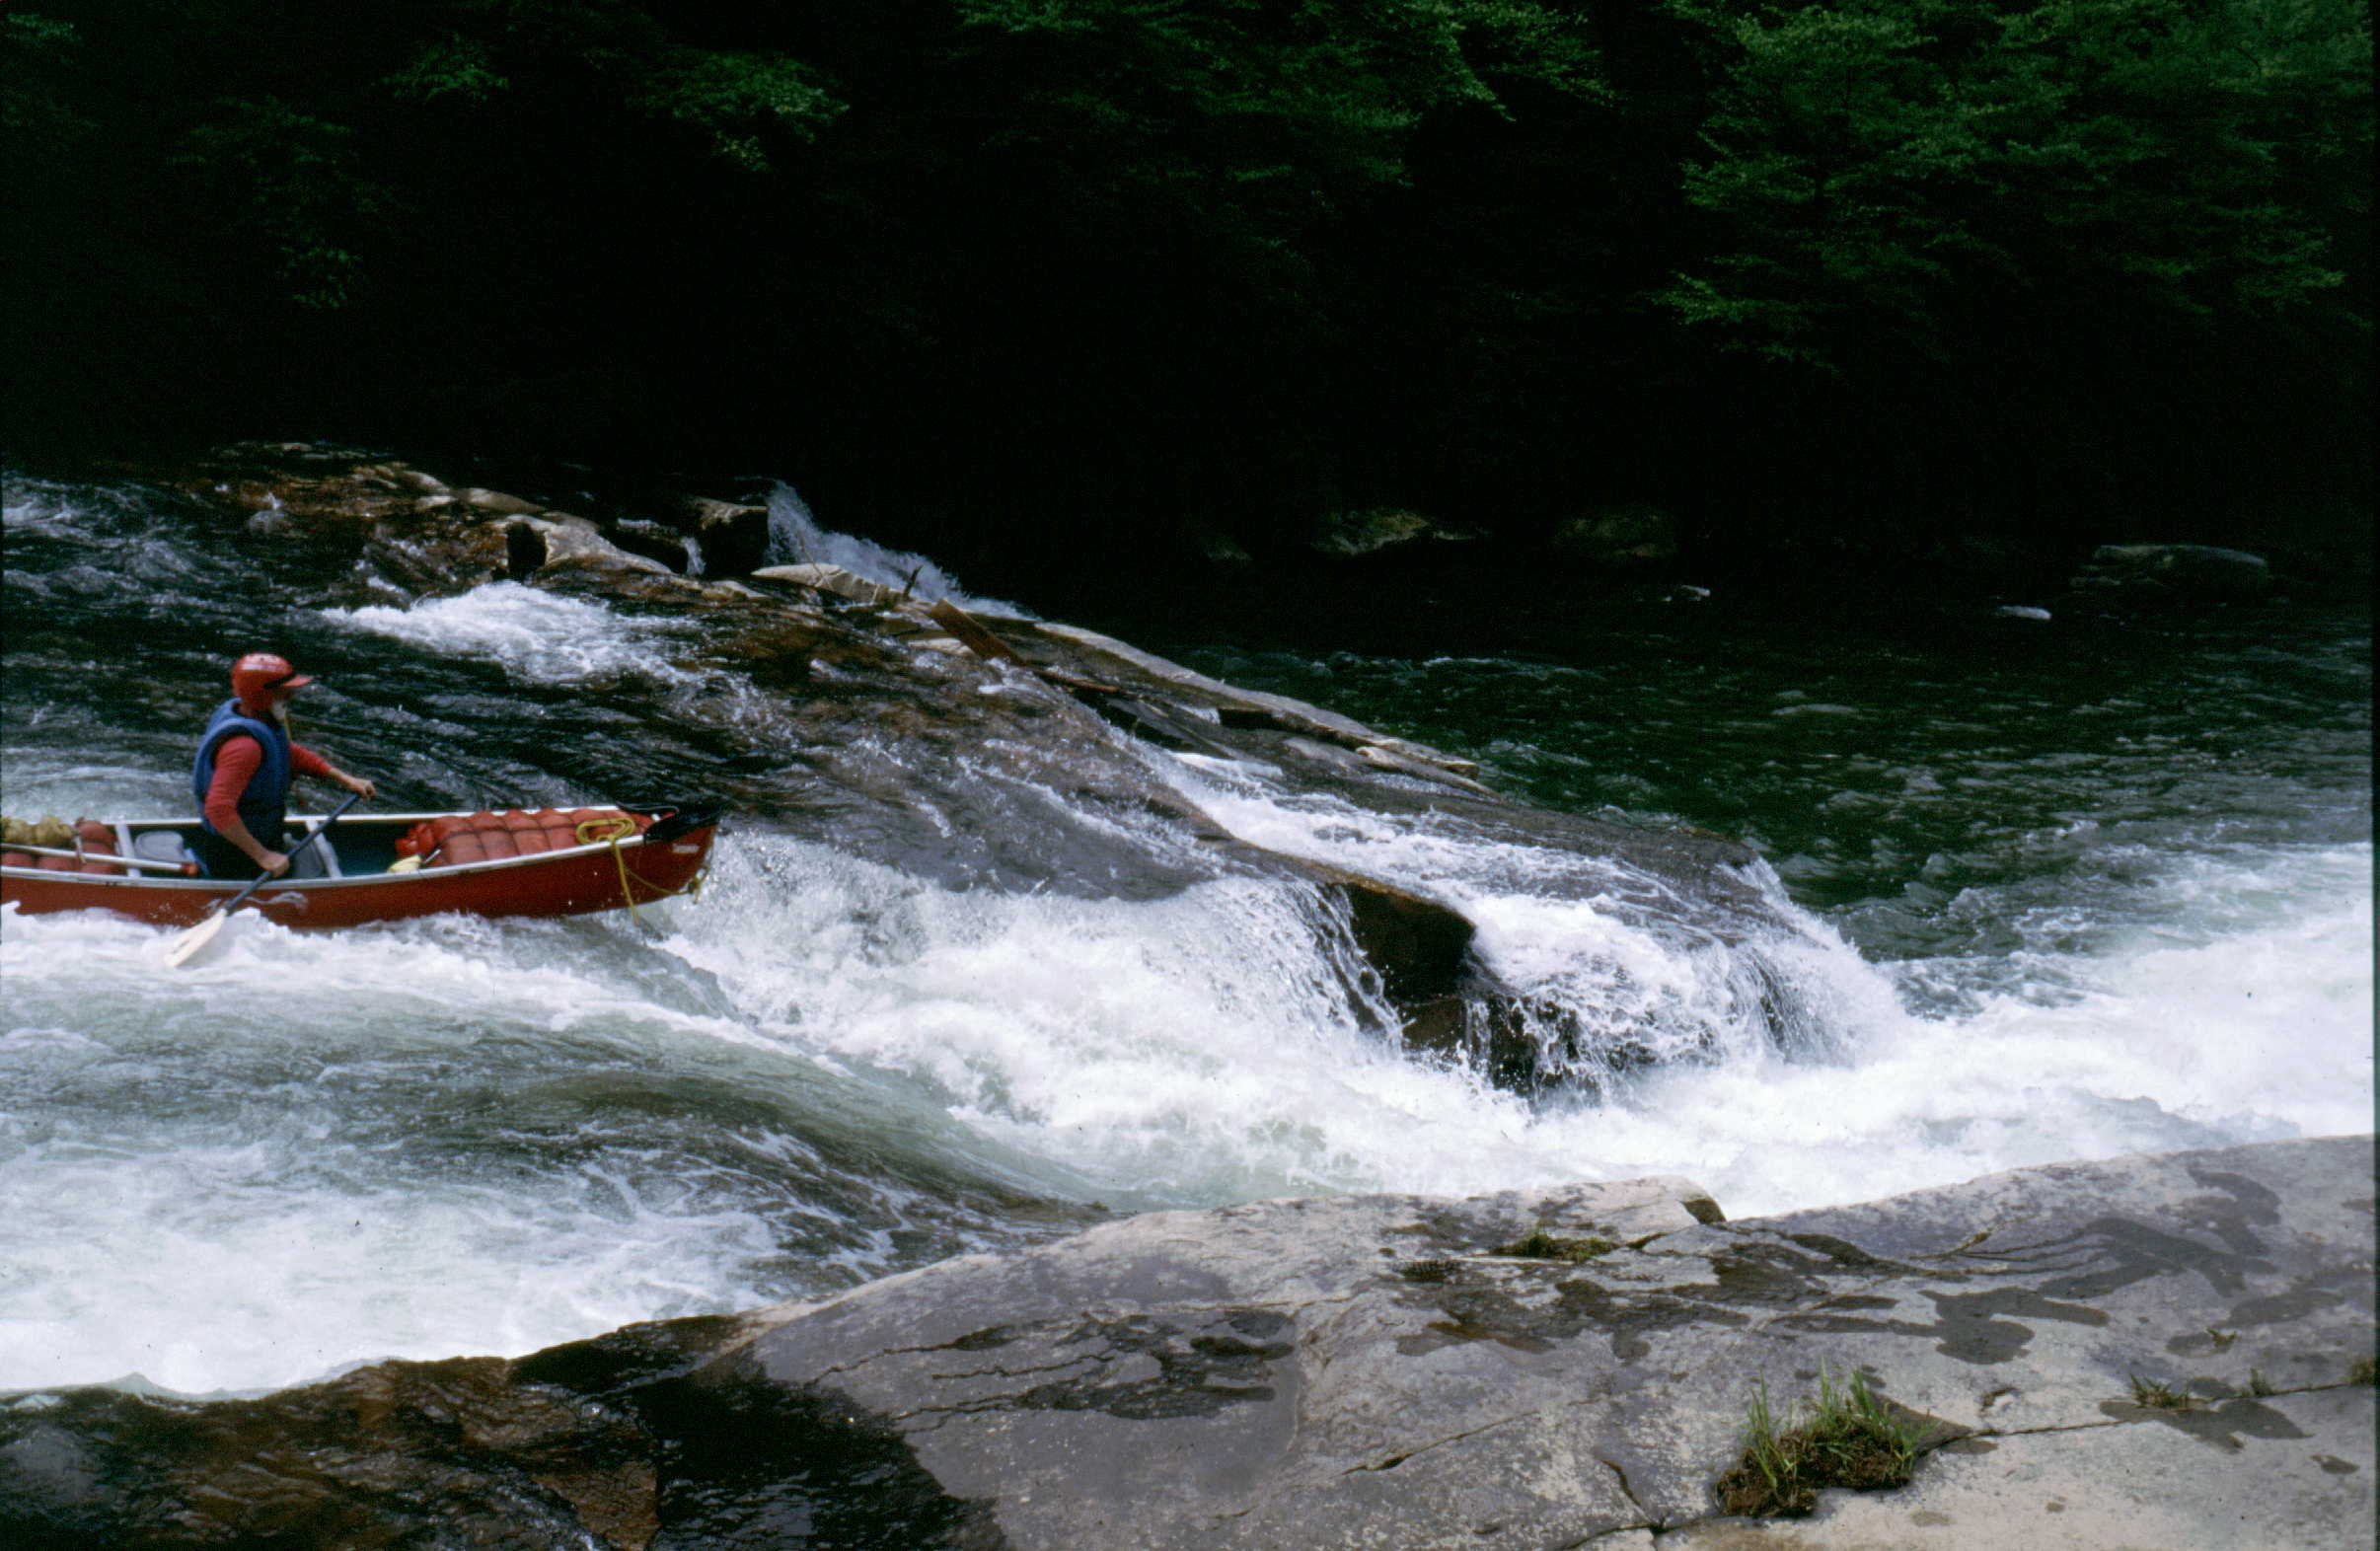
(796, 538)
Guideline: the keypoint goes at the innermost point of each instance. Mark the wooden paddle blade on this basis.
(190, 942)
(971, 632)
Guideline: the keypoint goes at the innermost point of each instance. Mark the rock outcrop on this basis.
(1017, 753)
(296, 481)
(2170, 1351)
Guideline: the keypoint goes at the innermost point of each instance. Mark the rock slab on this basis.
(1374, 1372)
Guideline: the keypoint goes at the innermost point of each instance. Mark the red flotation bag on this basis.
(98, 839)
(464, 837)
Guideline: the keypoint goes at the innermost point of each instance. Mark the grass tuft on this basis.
(1430, 1270)
(1541, 1245)
(2361, 1371)
(1846, 1437)
(2160, 1396)
(2258, 1383)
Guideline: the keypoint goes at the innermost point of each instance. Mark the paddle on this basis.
(109, 857)
(198, 936)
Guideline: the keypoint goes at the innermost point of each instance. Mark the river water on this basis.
(2066, 889)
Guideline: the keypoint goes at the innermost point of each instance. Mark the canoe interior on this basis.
(360, 846)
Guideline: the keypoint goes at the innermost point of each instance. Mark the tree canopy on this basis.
(1059, 267)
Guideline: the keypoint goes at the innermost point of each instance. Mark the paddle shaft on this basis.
(109, 857)
(192, 941)
(263, 878)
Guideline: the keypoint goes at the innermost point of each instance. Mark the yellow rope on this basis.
(630, 873)
(628, 896)
(589, 831)
(618, 829)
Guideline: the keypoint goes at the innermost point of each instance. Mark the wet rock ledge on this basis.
(2169, 1352)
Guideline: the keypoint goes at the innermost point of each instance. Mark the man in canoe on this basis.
(246, 766)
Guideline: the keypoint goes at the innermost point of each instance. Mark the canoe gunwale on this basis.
(234, 885)
(600, 875)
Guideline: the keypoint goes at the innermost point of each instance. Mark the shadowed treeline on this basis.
(1057, 276)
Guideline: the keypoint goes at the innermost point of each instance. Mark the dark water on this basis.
(2073, 888)
(1911, 777)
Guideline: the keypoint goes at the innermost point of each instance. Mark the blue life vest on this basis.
(265, 805)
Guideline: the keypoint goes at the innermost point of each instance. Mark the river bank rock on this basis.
(2167, 575)
(1633, 535)
(2170, 1351)
(1213, 544)
(1353, 535)
(732, 539)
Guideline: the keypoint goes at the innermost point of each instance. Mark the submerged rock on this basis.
(2170, 1351)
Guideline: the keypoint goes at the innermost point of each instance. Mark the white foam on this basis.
(1567, 934)
(796, 538)
(1186, 1051)
(238, 1266)
(538, 637)
(1191, 1050)
(2256, 1033)
(1178, 1052)
(193, 1145)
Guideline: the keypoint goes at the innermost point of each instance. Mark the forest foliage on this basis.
(1059, 267)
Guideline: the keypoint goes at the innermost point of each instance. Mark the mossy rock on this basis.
(1541, 1245)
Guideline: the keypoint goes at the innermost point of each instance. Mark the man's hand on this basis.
(273, 863)
(358, 785)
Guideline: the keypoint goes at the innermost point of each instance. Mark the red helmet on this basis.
(256, 676)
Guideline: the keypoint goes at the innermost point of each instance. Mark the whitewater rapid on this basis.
(409, 1149)
(310, 1151)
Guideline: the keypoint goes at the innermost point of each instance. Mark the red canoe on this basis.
(547, 862)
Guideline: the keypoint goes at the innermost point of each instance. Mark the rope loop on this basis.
(615, 829)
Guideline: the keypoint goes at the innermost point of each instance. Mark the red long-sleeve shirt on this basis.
(236, 759)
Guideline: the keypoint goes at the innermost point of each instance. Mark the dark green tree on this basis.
(1042, 270)
(1873, 159)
